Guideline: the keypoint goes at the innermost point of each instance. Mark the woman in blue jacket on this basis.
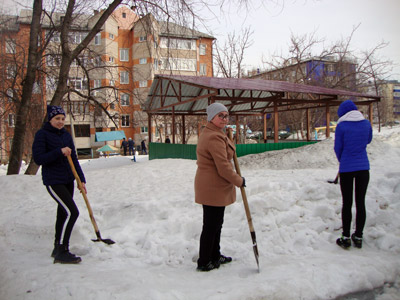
(51, 146)
(353, 134)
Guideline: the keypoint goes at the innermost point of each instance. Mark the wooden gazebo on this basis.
(176, 95)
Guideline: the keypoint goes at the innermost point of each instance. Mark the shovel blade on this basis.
(107, 241)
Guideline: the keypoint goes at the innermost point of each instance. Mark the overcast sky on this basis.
(273, 22)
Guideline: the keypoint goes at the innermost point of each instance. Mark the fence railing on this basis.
(161, 150)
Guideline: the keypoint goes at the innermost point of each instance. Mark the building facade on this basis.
(115, 72)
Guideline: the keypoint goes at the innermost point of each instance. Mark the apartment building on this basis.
(116, 71)
(326, 71)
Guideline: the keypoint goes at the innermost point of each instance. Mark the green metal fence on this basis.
(161, 150)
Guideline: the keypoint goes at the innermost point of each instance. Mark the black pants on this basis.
(361, 180)
(67, 211)
(213, 218)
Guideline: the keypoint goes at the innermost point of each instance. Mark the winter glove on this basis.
(244, 182)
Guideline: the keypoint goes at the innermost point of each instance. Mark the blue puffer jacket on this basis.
(353, 134)
(46, 150)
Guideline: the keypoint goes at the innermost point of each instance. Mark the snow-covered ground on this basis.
(148, 209)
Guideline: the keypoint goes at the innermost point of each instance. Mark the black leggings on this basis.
(361, 179)
(213, 218)
(67, 211)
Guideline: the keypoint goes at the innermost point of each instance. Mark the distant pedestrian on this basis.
(353, 134)
(131, 145)
(143, 146)
(167, 140)
(124, 145)
(50, 148)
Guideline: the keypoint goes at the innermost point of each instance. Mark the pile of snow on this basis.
(148, 209)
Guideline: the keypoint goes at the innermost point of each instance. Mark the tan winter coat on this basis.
(215, 179)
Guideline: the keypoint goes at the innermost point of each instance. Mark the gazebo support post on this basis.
(173, 125)
(265, 128)
(308, 124)
(328, 122)
(276, 122)
(183, 130)
(149, 127)
(237, 136)
(371, 110)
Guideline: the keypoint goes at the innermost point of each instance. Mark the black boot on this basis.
(356, 240)
(55, 250)
(344, 242)
(65, 257)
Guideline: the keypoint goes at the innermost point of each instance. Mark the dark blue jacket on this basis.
(46, 151)
(351, 140)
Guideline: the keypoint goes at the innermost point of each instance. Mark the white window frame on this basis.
(202, 49)
(124, 54)
(11, 120)
(97, 39)
(124, 77)
(142, 38)
(11, 46)
(125, 99)
(203, 69)
(143, 61)
(144, 129)
(178, 64)
(143, 83)
(125, 120)
(111, 36)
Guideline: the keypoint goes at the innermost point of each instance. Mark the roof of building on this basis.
(175, 30)
(190, 95)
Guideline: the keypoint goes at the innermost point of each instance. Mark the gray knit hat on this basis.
(214, 109)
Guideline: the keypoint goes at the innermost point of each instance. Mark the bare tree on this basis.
(229, 57)
(337, 65)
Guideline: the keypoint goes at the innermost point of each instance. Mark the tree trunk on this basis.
(28, 82)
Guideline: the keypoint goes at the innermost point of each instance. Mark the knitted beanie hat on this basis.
(53, 111)
(214, 109)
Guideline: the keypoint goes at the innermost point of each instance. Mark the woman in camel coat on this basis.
(215, 183)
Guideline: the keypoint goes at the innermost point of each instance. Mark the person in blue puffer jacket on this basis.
(51, 146)
(353, 134)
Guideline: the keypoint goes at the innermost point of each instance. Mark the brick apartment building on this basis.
(117, 70)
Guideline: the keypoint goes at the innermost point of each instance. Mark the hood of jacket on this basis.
(346, 107)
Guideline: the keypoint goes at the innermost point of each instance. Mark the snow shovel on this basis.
(96, 229)
(336, 179)
(246, 206)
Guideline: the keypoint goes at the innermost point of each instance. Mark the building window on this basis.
(10, 46)
(125, 99)
(124, 77)
(111, 36)
(11, 71)
(124, 15)
(112, 82)
(124, 54)
(202, 49)
(182, 64)
(56, 37)
(76, 107)
(97, 39)
(125, 120)
(96, 85)
(78, 83)
(203, 69)
(111, 59)
(53, 60)
(144, 130)
(82, 130)
(142, 38)
(182, 44)
(143, 83)
(11, 120)
(77, 37)
(143, 61)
